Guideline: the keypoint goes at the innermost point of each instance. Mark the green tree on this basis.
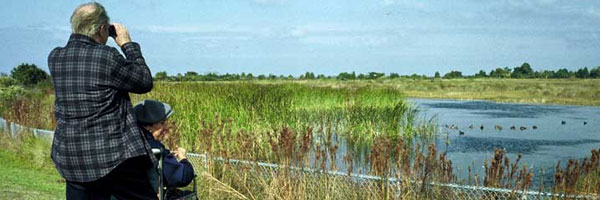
(272, 76)
(453, 74)
(415, 76)
(500, 72)
(308, 75)
(481, 74)
(437, 74)
(190, 76)
(375, 75)
(346, 76)
(207, 77)
(28, 74)
(583, 73)
(161, 76)
(562, 73)
(546, 74)
(361, 76)
(595, 73)
(524, 71)
(394, 75)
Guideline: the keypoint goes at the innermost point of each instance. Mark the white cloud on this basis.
(56, 32)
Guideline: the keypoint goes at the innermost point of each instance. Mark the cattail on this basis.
(333, 156)
(349, 161)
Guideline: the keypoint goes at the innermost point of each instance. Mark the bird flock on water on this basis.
(499, 127)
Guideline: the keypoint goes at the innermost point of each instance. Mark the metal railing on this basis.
(451, 191)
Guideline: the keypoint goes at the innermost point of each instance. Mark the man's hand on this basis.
(122, 34)
(180, 153)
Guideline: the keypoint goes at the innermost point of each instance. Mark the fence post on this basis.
(9, 125)
(3, 125)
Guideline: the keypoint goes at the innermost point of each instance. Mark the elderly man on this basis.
(97, 146)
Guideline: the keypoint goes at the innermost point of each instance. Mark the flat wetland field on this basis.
(275, 121)
(536, 91)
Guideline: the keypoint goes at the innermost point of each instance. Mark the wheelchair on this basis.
(166, 193)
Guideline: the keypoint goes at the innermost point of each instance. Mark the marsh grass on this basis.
(579, 177)
(359, 113)
(416, 165)
(290, 148)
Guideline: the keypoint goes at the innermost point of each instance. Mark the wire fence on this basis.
(447, 190)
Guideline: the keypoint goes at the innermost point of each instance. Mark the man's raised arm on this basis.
(131, 73)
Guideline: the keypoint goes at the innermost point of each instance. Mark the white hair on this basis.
(87, 19)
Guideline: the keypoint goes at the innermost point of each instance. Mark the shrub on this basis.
(28, 74)
(6, 81)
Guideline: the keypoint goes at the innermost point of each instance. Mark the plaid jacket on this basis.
(96, 130)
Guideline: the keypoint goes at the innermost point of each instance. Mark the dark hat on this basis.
(151, 111)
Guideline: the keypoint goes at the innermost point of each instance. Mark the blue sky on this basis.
(295, 36)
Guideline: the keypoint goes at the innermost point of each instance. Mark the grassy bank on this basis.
(26, 171)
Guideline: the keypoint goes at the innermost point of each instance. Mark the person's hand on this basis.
(180, 153)
(122, 34)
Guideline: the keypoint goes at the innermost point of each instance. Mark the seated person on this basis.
(151, 116)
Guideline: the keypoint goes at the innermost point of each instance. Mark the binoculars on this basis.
(112, 32)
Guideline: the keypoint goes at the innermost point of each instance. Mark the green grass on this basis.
(21, 179)
(26, 170)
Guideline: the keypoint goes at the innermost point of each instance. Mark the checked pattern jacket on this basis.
(96, 130)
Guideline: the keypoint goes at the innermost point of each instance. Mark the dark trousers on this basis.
(129, 180)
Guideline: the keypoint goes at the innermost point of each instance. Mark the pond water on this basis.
(561, 133)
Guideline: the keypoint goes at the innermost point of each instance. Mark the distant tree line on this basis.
(523, 71)
(29, 74)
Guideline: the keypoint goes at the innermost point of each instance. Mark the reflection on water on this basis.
(495, 110)
(511, 145)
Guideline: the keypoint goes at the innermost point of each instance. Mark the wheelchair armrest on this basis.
(156, 151)
(161, 189)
